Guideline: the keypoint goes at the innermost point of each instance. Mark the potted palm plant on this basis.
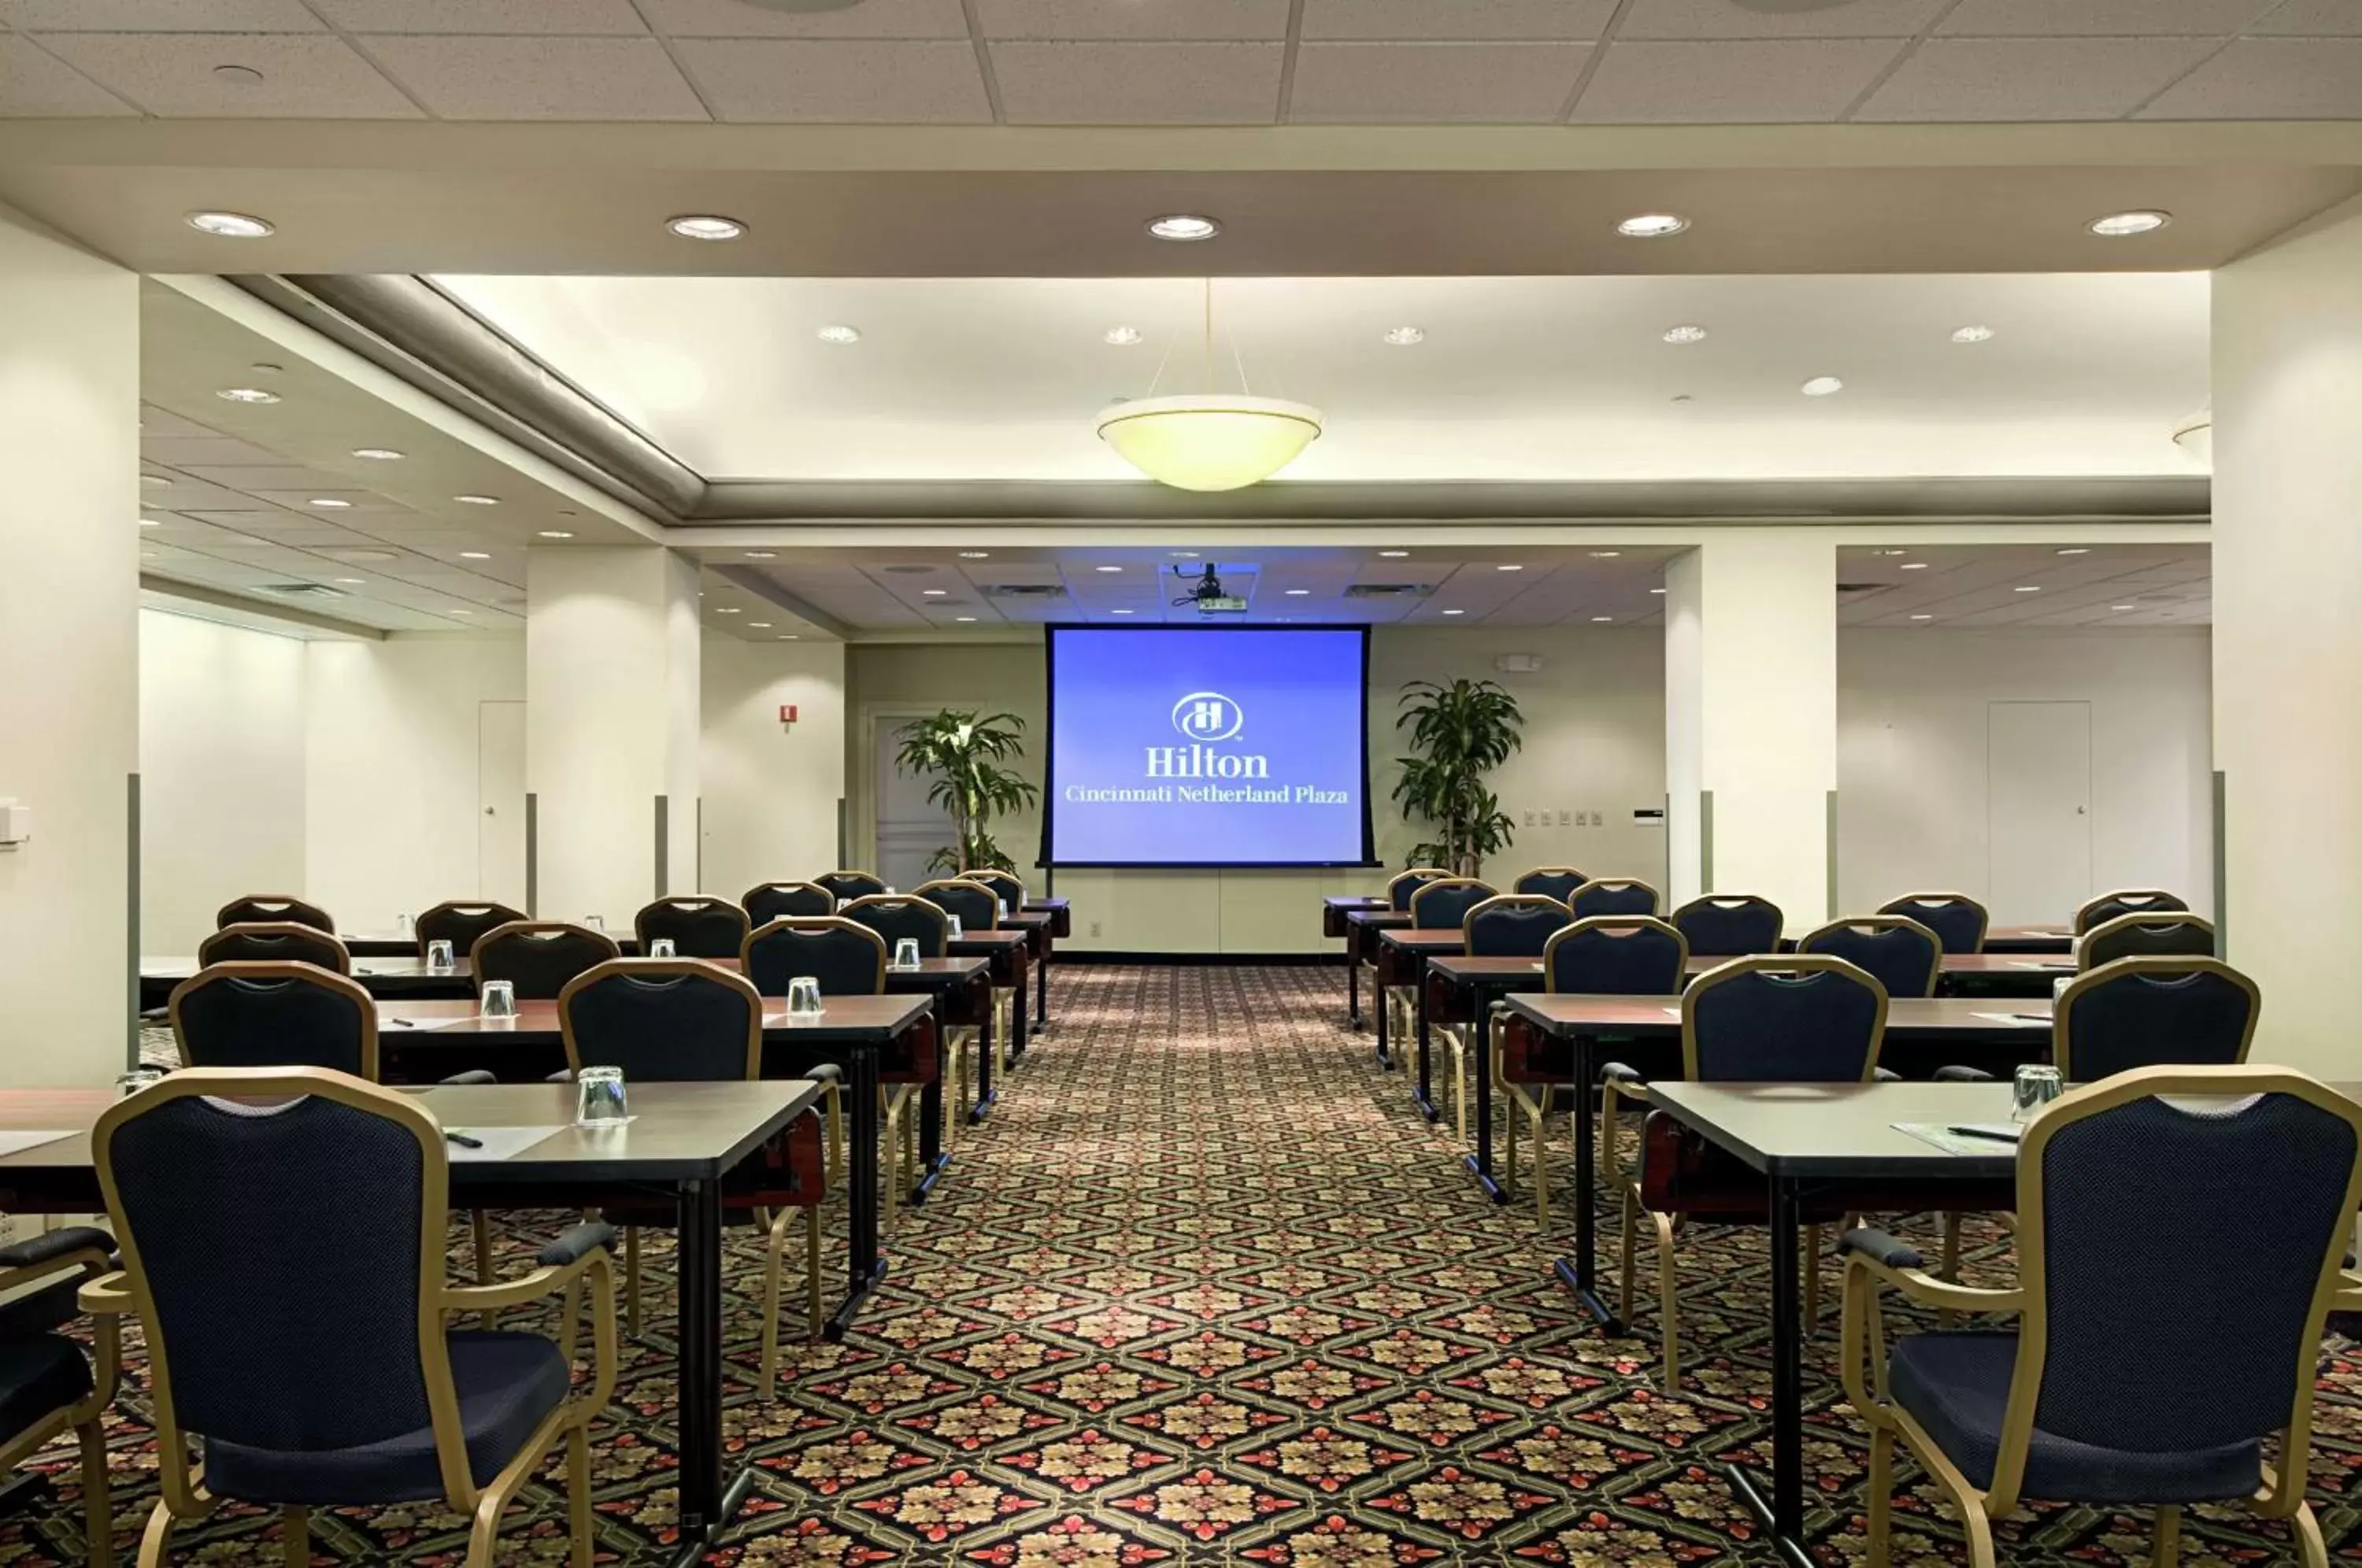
(964, 753)
(1458, 733)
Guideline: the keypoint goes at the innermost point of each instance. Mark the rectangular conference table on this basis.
(684, 1138)
(1941, 1029)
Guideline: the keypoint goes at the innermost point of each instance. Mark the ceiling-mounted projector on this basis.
(1206, 594)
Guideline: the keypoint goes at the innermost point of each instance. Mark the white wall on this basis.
(1912, 759)
(771, 789)
(390, 804)
(222, 763)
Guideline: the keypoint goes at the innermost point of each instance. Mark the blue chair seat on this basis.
(507, 1383)
(38, 1376)
(1956, 1388)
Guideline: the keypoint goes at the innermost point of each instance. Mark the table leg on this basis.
(1378, 987)
(985, 1043)
(1481, 1162)
(1042, 984)
(1784, 1511)
(1581, 1274)
(1422, 1093)
(1017, 1015)
(932, 1158)
(1352, 983)
(865, 1267)
(706, 1504)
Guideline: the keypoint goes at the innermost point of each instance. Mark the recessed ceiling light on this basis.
(475, 554)
(1656, 590)
(150, 523)
(791, 636)
(1394, 554)
(1915, 566)
(1923, 617)
(934, 593)
(1894, 552)
(1403, 336)
(1596, 619)
(1183, 226)
(1119, 612)
(1299, 592)
(2029, 588)
(974, 555)
(762, 554)
(962, 617)
(1686, 334)
(478, 500)
(157, 481)
(356, 581)
(229, 226)
(1653, 226)
(1822, 386)
(332, 502)
(2076, 550)
(1455, 612)
(1107, 569)
(839, 333)
(463, 612)
(1509, 566)
(727, 610)
(705, 225)
(378, 454)
(556, 534)
(2122, 607)
(1606, 554)
(759, 625)
(1121, 337)
(1973, 334)
(247, 394)
(2117, 225)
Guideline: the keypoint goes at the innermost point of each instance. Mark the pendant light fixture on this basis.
(1210, 440)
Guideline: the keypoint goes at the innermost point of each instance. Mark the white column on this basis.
(612, 700)
(2288, 634)
(1751, 720)
(68, 655)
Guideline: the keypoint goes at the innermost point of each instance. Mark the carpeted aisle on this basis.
(1206, 1290)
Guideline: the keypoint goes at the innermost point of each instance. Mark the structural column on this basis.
(612, 717)
(2288, 633)
(70, 649)
(1751, 720)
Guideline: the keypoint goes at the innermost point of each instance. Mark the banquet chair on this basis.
(1507, 925)
(977, 907)
(1613, 896)
(1804, 1017)
(273, 908)
(1439, 904)
(843, 886)
(538, 957)
(1601, 955)
(1904, 955)
(47, 1385)
(460, 921)
(2167, 1330)
(2097, 913)
(700, 927)
(1400, 888)
(2154, 1010)
(899, 1083)
(1729, 925)
(845, 958)
(682, 1021)
(274, 941)
(1550, 881)
(1958, 920)
(296, 1326)
(1005, 885)
(2169, 932)
(782, 900)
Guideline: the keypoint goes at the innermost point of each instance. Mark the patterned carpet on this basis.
(1206, 1290)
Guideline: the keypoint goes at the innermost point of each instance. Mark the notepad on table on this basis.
(499, 1142)
(2020, 1020)
(18, 1143)
(2001, 1136)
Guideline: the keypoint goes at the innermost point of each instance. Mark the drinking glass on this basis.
(906, 952)
(499, 1001)
(803, 997)
(841, 903)
(954, 932)
(1000, 910)
(439, 955)
(138, 1078)
(889, 892)
(662, 947)
(594, 922)
(401, 926)
(599, 1097)
(2035, 1087)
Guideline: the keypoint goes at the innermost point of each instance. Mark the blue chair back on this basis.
(846, 957)
(851, 884)
(1514, 925)
(2176, 933)
(1400, 889)
(2099, 912)
(275, 942)
(1550, 881)
(786, 900)
(1795, 1018)
(1615, 955)
(1005, 885)
(1958, 920)
(976, 905)
(2178, 1256)
(267, 908)
(2153, 1012)
(538, 957)
(1444, 906)
(1729, 925)
(901, 916)
(1611, 896)
(460, 922)
(699, 927)
(1902, 955)
(266, 1014)
(663, 1021)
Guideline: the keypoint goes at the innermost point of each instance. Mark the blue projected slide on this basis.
(1219, 746)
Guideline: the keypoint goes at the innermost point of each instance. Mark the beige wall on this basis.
(771, 789)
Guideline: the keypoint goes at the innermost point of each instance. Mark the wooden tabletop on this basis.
(970, 943)
(1354, 901)
(1576, 1014)
(1378, 915)
(463, 972)
(873, 1018)
(1474, 970)
(679, 1132)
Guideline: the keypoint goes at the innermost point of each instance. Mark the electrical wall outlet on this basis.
(1529, 819)
(1095, 928)
(1564, 819)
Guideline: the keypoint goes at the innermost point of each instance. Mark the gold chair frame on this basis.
(1944, 901)
(87, 1418)
(2083, 912)
(898, 1104)
(1881, 922)
(2149, 920)
(282, 928)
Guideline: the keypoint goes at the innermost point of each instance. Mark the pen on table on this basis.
(1990, 1136)
(402, 1023)
(463, 1140)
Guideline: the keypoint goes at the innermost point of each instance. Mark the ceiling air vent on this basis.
(1027, 591)
(304, 591)
(1388, 590)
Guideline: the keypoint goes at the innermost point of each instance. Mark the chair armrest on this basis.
(51, 1245)
(472, 1076)
(563, 1076)
(1880, 1256)
(546, 1280)
(1964, 1075)
(108, 1296)
(1627, 1080)
(576, 1243)
(1885, 1248)
(1885, 1076)
(825, 1073)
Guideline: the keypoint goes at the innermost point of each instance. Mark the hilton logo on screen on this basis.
(1204, 717)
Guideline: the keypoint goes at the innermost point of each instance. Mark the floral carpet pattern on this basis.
(1204, 1289)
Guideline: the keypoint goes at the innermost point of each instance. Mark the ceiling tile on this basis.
(2321, 18)
(870, 19)
(1773, 19)
(540, 78)
(2094, 18)
(1752, 82)
(2270, 79)
(159, 16)
(194, 451)
(1463, 20)
(1170, 21)
(845, 80)
(273, 474)
(1138, 84)
(171, 74)
(2030, 79)
(1432, 82)
(614, 17)
(37, 84)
